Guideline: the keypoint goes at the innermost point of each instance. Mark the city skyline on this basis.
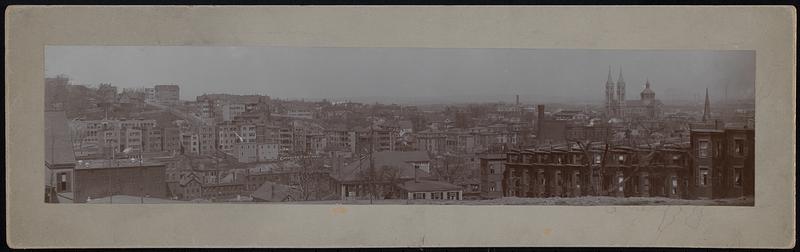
(400, 75)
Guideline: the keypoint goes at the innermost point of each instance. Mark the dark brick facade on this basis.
(145, 180)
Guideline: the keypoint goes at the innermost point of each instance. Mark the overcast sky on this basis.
(295, 72)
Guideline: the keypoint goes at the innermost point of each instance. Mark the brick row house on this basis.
(717, 164)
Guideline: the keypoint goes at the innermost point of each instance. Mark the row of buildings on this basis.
(225, 147)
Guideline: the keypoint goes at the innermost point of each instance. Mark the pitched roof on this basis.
(58, 146)
(428, 186)
(188, 179)
(399, 159)
(274, 192)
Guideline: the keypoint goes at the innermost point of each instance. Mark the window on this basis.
(674, 185)
(558, 178)
(597, 159)
(737, 176)
(620, 183)
(452, 195)
(703, 145)
(436, 195)
(703, 179)
(62, 182)
(492, 189)
(419, 195)
(738, 147)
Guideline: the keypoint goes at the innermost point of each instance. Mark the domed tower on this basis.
(648, 96)
(620, 94)
(610, 103)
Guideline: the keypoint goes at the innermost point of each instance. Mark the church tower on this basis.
(707, 109)
(610, 101)
(620, 95)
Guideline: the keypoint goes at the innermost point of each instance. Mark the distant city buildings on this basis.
(618, 106)
(147, 143)
(167, 94)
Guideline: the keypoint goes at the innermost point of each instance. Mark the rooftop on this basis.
(274, 192)
(400, 159)
(114, 164)
(428, 186)
(58, 146)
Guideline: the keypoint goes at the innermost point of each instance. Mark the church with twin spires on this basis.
(647, 107)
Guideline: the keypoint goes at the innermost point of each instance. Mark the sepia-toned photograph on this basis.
(398, 126)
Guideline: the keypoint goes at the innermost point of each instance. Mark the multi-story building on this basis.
(248, 133)
(432, 141)
(231, 110)
(618, 171)
(206, 139)
(109, 137)
(152, 139)
(256, 152)
(190, 144)
(340, 139)
(286, 138)
(171, 139)
(167, 94)
(266, 133)
(227, 136)
(724, 162)
(492, 170)
(150, 95)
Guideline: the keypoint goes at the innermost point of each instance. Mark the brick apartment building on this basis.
(724, 161)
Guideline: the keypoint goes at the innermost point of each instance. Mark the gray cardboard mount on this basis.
(770, 31)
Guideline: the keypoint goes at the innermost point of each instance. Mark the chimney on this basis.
(539, 119)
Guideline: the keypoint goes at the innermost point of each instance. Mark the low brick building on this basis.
(102, 178)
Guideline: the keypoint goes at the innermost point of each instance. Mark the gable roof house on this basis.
(274, 192)
(391, 171)
(59, 158)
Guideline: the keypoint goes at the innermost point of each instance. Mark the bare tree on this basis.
(381, 180)
(311, 179)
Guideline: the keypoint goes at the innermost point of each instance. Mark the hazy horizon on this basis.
(410, 74)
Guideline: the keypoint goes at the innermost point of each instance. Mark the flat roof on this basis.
(114, 164)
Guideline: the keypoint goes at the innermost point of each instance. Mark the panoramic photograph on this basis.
(397, 126)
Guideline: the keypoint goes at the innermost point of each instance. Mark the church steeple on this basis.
(610, 96)
(620, 95)
(707, 108)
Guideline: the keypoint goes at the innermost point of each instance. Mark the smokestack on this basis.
(517, 100)
(539, 120)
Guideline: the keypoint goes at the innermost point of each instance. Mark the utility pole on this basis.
(141, 171)
(371, 159)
